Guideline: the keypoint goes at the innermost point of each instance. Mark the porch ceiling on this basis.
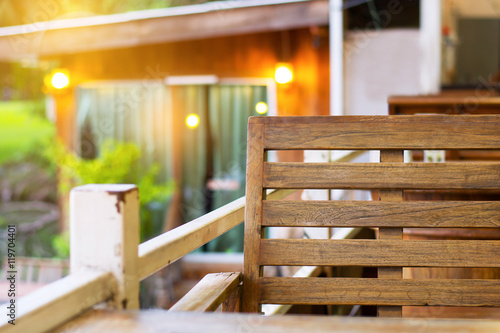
(214, 19)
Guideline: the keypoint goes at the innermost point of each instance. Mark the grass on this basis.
(21, 128)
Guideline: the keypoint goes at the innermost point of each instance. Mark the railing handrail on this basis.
(172, 245)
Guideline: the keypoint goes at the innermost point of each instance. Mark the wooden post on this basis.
(104, 235)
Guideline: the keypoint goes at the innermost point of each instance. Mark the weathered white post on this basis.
(104, 235)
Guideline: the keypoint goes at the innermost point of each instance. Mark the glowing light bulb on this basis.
(192, 120)
(283, 73)
(60, 80)
(261, 107)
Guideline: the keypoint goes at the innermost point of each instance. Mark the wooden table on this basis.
(471, 104)
(162, 321)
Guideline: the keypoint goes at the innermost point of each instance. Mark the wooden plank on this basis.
(375, 132)
(253, 216)
(209, 293)
(389, 292)
(412, 214)
(50, 306)
(195, 322)
(394, 233)
(304, 271)
(168, 247)
(480, 175)
(383, 252)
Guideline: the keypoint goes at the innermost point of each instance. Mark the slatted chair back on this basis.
(389, 253)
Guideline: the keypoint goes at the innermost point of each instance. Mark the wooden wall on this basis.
(253, 55)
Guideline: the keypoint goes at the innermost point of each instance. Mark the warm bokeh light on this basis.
(261, 108)
(192, 120)
(59, 80)
(283, 73)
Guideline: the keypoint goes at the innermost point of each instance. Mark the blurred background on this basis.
(158, 93)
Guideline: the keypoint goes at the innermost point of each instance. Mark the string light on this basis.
(261, 108)
(283, 73)
(192, 120)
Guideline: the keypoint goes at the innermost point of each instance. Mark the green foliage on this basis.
(117, 164)
(21, 129)
(60, 243)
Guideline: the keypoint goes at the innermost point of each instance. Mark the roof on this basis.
(155, 26)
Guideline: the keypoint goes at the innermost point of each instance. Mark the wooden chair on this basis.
(389, 253)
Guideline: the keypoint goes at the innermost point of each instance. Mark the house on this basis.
(137, 76)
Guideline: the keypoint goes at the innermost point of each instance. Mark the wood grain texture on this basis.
(416, 176)
(375, 132)
(389, 292)
(194, 322)
(233, 301)
(253, 216)
(412, 214)
(392, 233)
(209, 293)
(383, 252)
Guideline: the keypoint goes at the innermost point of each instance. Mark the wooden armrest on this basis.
(209, 293)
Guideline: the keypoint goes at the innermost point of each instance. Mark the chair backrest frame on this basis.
(389, 253)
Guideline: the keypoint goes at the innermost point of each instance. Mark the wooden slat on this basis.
(253, 217)
(411, 214)
(209, 293)
(275, 309)
(375, 253)
(390, 233)
(392, 132)
(389, 292)
(480, 175)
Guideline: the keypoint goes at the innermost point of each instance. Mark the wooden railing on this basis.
(107, 262)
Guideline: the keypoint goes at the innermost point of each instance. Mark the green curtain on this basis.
(131, 112)
(146, 115)
(230, 108)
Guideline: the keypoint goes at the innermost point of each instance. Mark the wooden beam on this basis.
(126, 30)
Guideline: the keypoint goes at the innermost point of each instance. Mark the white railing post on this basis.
(104, 235)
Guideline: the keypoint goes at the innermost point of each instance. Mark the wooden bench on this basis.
(389, 253)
